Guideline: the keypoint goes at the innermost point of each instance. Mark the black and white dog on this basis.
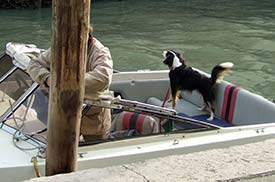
(183, 77)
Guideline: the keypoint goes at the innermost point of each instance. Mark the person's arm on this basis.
(99, 74)
(39, 69)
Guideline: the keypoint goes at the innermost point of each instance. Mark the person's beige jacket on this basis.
(98, 76)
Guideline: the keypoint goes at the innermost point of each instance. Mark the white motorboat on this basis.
(240, 117)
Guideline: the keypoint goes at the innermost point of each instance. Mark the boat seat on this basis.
(241, 107)
(130, 123)
(187, 109)
(235, 105)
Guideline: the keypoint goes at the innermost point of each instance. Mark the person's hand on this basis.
(48, 82)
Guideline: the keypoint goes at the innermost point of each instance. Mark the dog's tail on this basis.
(219, 71)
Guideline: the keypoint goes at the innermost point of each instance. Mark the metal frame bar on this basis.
(19, 102)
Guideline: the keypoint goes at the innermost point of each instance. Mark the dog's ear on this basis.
(178, 54)
(181, 57)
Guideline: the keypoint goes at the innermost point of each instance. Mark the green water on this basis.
(207, 31)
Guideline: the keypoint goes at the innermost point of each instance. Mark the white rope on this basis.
(17, 135)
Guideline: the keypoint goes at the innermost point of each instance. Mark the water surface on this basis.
(207, 31)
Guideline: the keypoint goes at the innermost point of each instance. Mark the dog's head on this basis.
(172, 59)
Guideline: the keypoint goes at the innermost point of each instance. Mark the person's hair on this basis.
(91, 31)
(90, 35)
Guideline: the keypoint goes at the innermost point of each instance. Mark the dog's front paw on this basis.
(209, 119)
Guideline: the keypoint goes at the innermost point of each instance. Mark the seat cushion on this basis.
(142, 124)
(203, 117)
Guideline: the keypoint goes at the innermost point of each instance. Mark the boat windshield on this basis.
(5, 64)
(12, 88)
(23, 105)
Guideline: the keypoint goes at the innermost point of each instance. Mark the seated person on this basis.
(96, 122)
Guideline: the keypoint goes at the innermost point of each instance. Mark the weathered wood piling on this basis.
(70, 24)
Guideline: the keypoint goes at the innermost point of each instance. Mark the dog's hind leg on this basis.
(211, 117)
(205, 104)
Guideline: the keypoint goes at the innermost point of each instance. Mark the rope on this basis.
(166, 97)
(29, 105)
(16, 135)
(35, 166)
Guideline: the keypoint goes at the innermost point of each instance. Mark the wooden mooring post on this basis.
(70, 24)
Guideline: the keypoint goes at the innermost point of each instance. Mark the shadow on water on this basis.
(207, 31)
